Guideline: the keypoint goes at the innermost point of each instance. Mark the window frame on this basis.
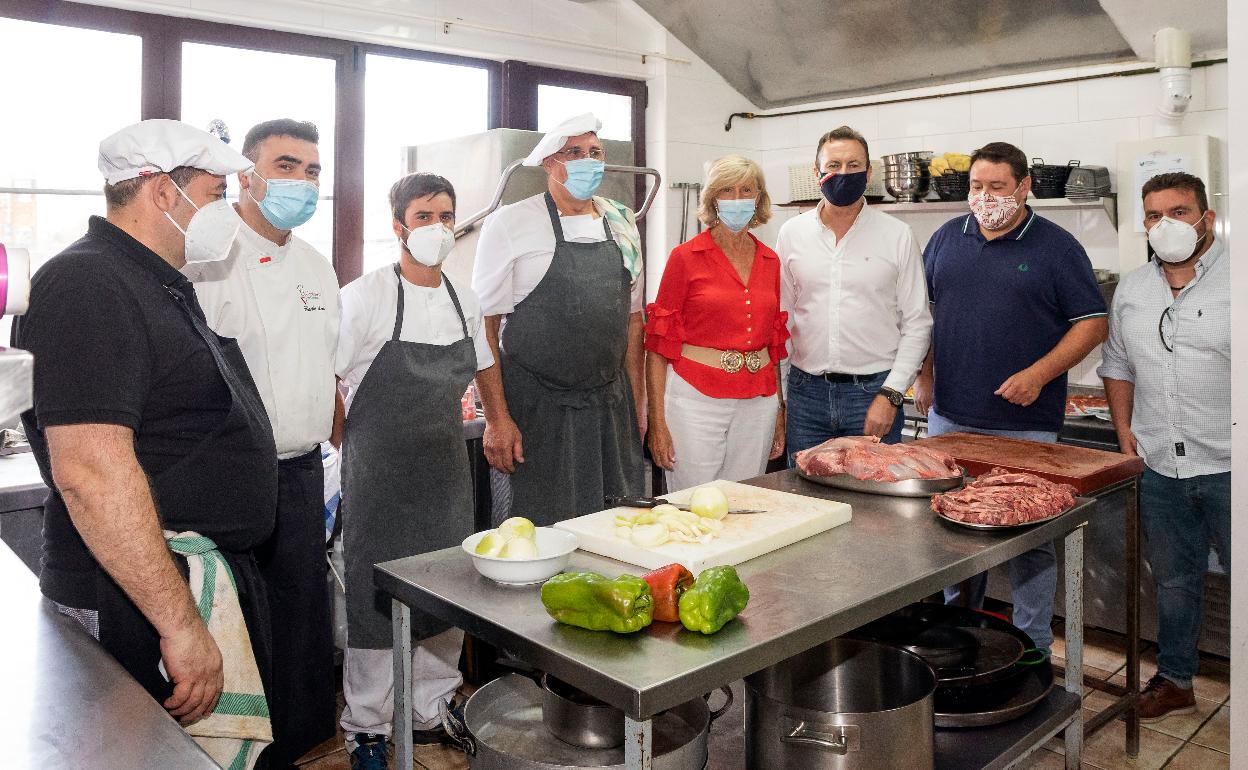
(513, 90)
(161, 87)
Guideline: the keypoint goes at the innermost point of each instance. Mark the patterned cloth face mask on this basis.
(994, 211)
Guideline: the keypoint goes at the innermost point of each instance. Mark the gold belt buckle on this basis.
(731, 361)
(753, 361)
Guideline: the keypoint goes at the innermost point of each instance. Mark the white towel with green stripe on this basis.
(623, 223)
(238, 728)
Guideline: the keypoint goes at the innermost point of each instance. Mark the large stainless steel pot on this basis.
(503, 730)
(571, 715)
(844, 705)
(576, 718)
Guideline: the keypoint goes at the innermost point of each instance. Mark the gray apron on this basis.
(406, 486)
(563, 350)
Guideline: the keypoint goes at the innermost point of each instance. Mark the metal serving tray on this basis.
(973, 525)
(906, 488)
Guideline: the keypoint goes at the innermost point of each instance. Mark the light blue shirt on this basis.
(1181, 417)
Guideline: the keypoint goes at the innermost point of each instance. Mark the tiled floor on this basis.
(1199, 741)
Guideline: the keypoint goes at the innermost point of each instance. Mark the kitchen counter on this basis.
(68, 704)
(893, 552)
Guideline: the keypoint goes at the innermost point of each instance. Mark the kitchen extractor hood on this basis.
(783, 52)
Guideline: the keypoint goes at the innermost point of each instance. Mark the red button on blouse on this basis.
(702, 302)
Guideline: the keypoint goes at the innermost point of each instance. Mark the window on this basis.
(556, 104)
(410, 102)
(243, 87)
(58, 113)
(50, 181)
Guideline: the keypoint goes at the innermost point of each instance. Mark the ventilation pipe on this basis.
(1173, 50)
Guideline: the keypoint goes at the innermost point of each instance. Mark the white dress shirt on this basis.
(281, 304)
(857, 306)
(1181, 417)
(516, 247)
(369, 305)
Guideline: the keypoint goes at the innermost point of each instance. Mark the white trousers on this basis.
(716, 438)
(368, 684)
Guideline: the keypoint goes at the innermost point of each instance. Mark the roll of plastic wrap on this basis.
(14, 280)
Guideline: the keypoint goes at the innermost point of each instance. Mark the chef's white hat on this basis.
(555, 137)
(155, 146)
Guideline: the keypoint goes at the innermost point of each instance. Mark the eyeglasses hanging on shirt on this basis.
(1161, 328)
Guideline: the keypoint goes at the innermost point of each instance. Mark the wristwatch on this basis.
(895, 398)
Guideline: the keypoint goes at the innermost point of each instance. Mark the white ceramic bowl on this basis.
(554, 549)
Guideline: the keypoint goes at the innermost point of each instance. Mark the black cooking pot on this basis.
(971, 676)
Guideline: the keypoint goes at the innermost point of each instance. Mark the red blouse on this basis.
(703, 302)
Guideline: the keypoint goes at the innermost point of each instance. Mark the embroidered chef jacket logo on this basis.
(311, 299)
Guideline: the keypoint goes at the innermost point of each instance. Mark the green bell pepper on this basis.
(589, 600)
(717, 596)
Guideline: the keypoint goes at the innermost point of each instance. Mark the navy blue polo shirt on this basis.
(999, 306)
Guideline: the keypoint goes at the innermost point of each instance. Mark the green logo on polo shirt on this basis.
(1023, 268)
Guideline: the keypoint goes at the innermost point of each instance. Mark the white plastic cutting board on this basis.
(789, 518)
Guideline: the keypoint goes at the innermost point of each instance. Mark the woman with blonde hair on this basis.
(714, 338)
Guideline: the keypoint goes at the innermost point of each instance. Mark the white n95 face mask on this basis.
(210, 236)
(430, 245)
(1174, 240)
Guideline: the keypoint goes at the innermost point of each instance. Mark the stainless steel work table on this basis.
(66, 702)
(894, 552)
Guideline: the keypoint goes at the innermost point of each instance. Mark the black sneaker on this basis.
(370, 752)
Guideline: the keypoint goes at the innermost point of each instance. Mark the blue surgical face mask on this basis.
(843, 189)
(584, 176)
(287, 203)
(736, 214)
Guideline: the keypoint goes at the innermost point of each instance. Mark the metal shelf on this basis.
(1107, 203)
(999, 746)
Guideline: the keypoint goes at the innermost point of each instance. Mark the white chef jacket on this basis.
(516, 247)
(857, 306)
(369, 305)
(281, 304)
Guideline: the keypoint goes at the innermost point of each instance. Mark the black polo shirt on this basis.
(111, 345)
(998, 307)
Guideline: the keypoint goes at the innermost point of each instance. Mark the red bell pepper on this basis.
(666, 586)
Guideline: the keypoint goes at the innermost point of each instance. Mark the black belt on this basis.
(314, 452)
(837, 377)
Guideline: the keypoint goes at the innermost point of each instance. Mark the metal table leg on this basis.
(401, 619)
(1074, 642)
(1133, 617)
(638, 745)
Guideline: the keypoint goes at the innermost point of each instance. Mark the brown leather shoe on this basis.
(1162, 698)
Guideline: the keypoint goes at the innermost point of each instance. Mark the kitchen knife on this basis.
(650, 502)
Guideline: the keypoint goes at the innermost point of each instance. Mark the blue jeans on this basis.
(819, 410)
(1180, 518)
(1033, 575)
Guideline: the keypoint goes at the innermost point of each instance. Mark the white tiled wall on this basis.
(1070, 121)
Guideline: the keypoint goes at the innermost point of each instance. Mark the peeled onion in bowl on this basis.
(519, 548)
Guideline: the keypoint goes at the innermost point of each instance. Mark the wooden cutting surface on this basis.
(1087, 470)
